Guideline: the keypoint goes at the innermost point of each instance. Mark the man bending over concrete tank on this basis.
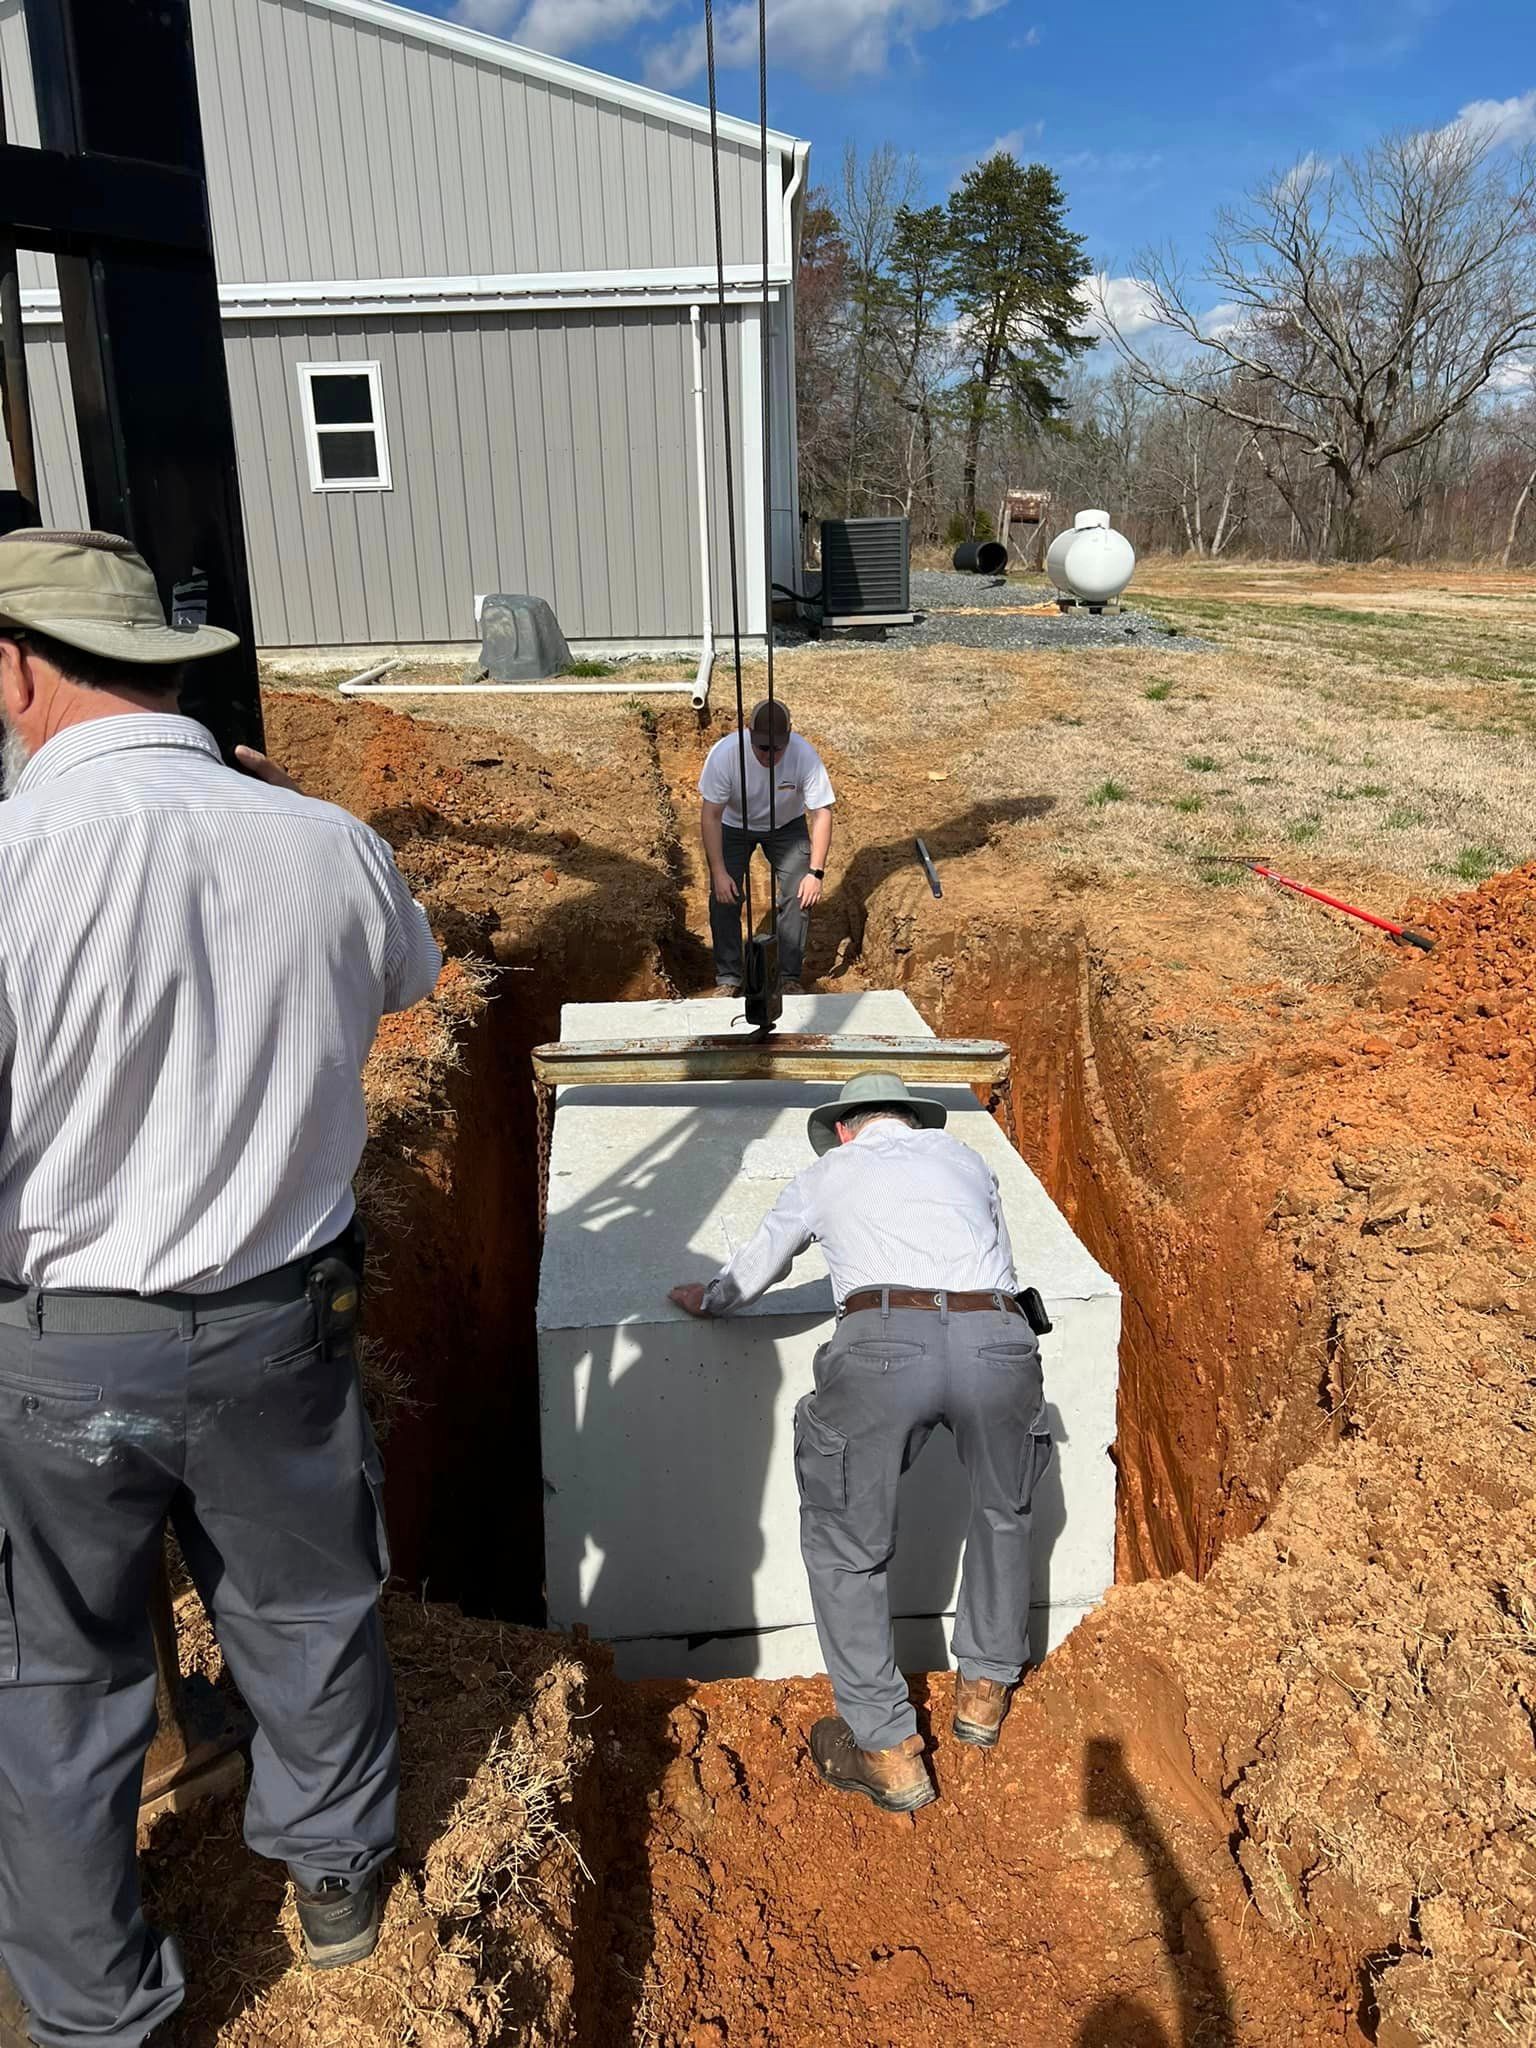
(929, 1330)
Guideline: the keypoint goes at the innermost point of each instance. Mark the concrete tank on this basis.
(671, 1514)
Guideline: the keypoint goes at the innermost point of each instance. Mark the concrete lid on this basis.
(653, 1185)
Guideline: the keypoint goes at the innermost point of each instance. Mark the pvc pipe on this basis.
(706, 595)
(556, 688)
(371, 675)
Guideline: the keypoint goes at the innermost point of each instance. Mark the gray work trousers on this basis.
(882, 1383)
(788, 853)
(253, 1441)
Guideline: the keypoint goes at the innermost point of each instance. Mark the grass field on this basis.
(1364, 726)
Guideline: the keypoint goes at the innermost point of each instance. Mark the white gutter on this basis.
(706, 593)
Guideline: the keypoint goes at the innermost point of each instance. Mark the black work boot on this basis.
(339, 1926)
(13, 2015)
(896, 1779)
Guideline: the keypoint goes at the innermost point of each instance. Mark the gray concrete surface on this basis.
(671, 1516)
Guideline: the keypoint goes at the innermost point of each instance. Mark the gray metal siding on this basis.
(37, 272)
(337, 149)
(53, 423)
(551, 453)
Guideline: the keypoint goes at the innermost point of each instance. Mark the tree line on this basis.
(1349, 374)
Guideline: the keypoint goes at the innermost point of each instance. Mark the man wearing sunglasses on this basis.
(794, 832)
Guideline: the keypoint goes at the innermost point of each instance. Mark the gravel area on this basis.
(982, 611)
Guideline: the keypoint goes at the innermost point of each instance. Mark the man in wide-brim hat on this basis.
(193, 963)
(929, 1331)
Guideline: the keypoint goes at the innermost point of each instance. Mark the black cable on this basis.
(730, 466)
(766, 374)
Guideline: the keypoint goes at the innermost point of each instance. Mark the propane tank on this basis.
(1090, 561)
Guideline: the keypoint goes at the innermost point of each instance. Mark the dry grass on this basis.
(1351, 746)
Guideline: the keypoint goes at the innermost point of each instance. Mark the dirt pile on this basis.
(482, 1906)
(1476, 999)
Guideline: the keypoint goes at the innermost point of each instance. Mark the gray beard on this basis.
(13, 758)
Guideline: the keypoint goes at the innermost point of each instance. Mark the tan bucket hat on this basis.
(863, 1093)
(95, 591)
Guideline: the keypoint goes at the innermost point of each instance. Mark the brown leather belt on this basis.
(930, 1298)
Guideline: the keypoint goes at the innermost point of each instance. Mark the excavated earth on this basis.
(1279, 1787)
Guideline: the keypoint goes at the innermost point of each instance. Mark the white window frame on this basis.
(313, 429)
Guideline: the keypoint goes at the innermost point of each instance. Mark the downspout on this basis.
(706, 580)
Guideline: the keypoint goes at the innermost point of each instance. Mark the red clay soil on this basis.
(1292, 1801)
(1284, 1794)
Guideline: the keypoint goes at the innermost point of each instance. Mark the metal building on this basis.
(458, 280)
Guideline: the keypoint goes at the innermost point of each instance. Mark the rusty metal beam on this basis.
(976, 1062)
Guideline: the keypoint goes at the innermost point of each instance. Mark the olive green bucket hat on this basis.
(866, 1092)
(94, 591)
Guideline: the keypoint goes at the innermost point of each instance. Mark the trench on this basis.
(1208, 1326)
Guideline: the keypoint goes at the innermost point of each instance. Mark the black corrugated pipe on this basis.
(981, 557)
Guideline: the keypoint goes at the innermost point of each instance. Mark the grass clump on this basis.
(1200, 764)
(1477, 863)
(1160, 691)
(589, 668)
(1302, 830)
(1188, 804)
(1108, 792)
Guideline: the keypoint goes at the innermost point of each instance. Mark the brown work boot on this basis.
(980, 1704)
(13, 2014)
(896, 1779)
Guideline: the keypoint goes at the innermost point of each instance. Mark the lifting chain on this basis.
(543, 1108)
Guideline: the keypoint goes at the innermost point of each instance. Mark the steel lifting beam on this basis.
(788, 1056)
(117, 194)
(978, 1062)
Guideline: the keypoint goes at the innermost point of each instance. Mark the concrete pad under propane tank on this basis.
(671, 1513)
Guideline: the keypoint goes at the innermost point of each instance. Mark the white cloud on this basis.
(1501, 121)
(1515, 377)
(1017, 141)
(559, 27)
(1030, 40)
(827, 38)
(1126, 303)
(1307, 170)
(1223, 321)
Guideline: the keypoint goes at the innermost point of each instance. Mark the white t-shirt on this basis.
(800, 781)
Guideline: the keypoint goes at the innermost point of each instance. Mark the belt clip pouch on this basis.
(334, 1293)
(1034, 1312)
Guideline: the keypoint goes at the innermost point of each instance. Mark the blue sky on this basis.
(1152, 114)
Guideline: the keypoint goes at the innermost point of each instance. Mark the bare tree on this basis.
(876, 188)
(1364, 305)
(1522, 430)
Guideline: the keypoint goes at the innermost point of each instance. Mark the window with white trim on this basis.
(343, 407)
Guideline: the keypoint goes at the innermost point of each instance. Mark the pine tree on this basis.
(1015, 269)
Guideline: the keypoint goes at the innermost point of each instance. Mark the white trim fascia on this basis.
(553, 291)
(597, 85)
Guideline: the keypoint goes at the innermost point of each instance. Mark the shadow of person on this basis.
(1121, 2023)
(1111, 1794)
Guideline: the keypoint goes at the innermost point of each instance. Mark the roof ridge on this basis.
(432, 28)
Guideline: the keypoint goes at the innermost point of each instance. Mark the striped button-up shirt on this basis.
(896, 1208)
(193, 965)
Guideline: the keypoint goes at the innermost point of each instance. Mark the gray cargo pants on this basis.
(882, 1383)
(788, 853)
(255, 1444)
